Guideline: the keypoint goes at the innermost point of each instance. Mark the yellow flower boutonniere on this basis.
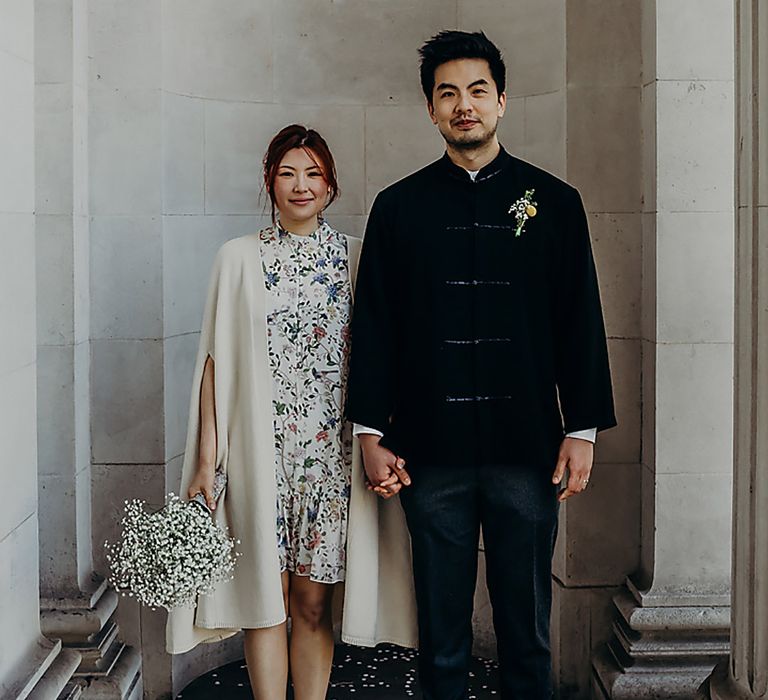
(523, 209)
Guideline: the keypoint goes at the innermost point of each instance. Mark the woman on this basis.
(267, 406)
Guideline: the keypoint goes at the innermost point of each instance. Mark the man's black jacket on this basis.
(464, 334)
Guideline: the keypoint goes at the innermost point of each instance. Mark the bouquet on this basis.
(168, 557)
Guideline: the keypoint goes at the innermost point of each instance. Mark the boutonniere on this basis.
(523, 209)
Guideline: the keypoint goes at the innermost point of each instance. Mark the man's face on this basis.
(465, 104)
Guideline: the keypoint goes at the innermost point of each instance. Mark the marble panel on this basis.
(126, 277)
(18, 432)
(80, 44)
(221, 55)
(544, 141)
(351, 225)
(399, 140)
(79, 175)
(19, 584)
(82, 407)
(56, 411)
(621, 444)
(695, 40)
(53, 29)
(604, 147)
(532, 38)
(694, 408)
(353, 53)
(111, 486)
(17, 134)
(695, 146)
(179, 357)
(648, 416)
(693, 535)
(695, 268)
(616, 245)
(125, 139)
(644, 575)
(183, 155)
(18, 29)
(83, 520)
(124, 41)
(604, 42)
(53, 149)
(599, 538)
(237, 135)
(127, 401)
(189, 247)
(17, 303)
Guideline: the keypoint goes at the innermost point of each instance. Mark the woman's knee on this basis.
(310, 608)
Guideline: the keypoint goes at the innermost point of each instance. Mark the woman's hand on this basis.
(385, 471)
(202, 482)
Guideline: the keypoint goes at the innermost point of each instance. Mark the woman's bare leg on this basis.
(311, 647)
(266, 654)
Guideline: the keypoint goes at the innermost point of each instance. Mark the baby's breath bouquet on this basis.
(168, 557)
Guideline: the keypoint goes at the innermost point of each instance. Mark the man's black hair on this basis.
(449, 45)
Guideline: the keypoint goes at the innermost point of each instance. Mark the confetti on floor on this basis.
(384, 673)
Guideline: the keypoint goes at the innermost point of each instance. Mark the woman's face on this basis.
(300, 188)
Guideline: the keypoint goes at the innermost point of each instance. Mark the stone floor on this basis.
(384, 673)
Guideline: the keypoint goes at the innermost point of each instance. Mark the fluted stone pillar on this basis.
(671, 621)
(76, 605)
(745, 675)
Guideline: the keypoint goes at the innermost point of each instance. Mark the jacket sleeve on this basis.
(581, 355)
(370, 387)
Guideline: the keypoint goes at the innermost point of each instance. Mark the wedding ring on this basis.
(585, 481)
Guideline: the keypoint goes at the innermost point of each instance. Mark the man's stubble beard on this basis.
(470, 143)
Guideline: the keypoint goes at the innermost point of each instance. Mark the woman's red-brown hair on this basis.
(314, 145)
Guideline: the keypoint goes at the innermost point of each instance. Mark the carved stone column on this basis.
(744, 676)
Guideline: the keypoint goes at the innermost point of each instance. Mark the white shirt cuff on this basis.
(589, 434)
(361, 429)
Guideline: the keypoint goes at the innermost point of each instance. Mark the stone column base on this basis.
(721, 686)
(85, 624)
(659, 652)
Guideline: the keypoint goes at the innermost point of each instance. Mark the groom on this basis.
(479, 360)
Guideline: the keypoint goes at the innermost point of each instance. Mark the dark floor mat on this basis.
(384, 673)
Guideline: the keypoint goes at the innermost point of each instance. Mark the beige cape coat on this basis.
(379, 603)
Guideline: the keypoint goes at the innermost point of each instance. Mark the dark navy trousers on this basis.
(516, 506)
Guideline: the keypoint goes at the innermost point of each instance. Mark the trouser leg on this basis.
(441, 510)
(518, 510)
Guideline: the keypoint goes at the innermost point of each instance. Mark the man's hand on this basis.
(385, 471)
(576, 455)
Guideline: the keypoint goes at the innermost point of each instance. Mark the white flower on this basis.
(523, 209)
(169, 557)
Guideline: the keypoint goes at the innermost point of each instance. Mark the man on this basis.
(477, 306)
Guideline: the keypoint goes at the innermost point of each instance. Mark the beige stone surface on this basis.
(353, 53)
(599, 536)
(184, 154)
(125, 136)
(694, 409)
(219, 55)
(53, 140)
(695, 145)
(690, 48)
(531, 36)
(53, 269)
(603, 42)
(237, 136)
(55, 417)
(695, 269)
(544, 138)
(179, 354)
(127, 401)
(124, 41)
(604, 140)
(126, 277)
(617, 249)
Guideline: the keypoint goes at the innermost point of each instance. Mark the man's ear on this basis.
(502, 104)
(431, 111)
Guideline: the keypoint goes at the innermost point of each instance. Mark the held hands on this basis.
(576, 455)
(202, 482)
(385, 471)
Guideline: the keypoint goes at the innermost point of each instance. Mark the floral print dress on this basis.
(308, 312)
